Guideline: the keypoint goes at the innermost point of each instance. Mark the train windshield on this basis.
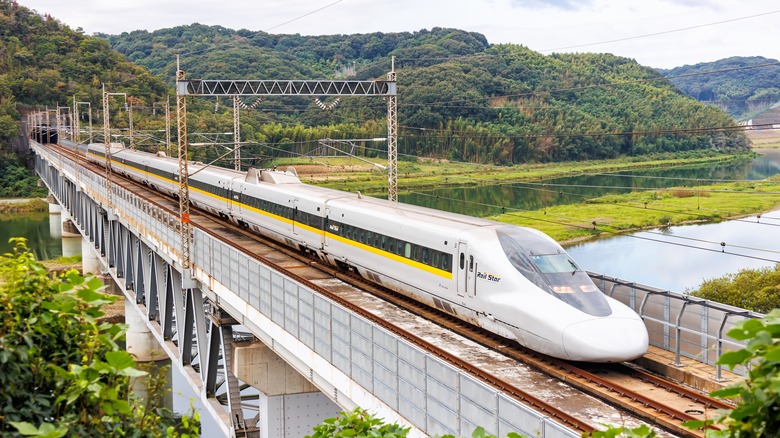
(542, 261)
(554, 263)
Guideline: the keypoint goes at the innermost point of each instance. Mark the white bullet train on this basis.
(516, 282)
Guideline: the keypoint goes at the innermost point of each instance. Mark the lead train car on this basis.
(516, 282)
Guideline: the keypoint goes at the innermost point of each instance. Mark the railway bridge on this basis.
(314, 354)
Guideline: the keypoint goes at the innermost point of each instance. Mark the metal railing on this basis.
(684, 324)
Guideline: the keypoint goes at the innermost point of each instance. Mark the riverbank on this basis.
(21, 205)
(618, 214)
(351, 175)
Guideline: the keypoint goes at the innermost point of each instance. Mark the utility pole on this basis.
(392, 138)
(236, 135)
(75, 136)
(168, 126)
(107, 142)
(131, 101)
(77, 119)
(184, 189)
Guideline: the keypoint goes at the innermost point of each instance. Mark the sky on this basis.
(656, 33)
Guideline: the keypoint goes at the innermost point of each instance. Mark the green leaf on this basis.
(746, 329)
(120, 359)
(773, 354)
(25, 428)
(693, 424)
(94, 283)
(728, 392)
(734, 358)
(92, 297)
(132, 372)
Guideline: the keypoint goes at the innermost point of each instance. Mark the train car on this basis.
(514, 281)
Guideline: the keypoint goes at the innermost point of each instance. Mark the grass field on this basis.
(352, 175)
(617, 214)
(566, 223)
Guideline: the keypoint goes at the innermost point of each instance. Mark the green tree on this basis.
(752, 289)
(357, 423)
(62, 371)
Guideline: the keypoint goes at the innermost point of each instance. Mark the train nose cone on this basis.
(605, 340)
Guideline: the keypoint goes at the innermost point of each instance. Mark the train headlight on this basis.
(589, 288)
(563, 289)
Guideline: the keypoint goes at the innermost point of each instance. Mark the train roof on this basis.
(429, 216)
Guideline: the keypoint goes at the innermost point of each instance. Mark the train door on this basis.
(461, 268)
(295, 217)
(467, 271)
(471, 276)
(326, 228)
(227, 194)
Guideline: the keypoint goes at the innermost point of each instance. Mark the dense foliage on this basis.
(61, 370)
(459, 96)
(758, 396)
(752, 289)
(739, 90)
(360, 423)
(16, 181)
(45, 62)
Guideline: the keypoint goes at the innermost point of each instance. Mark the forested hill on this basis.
(46, 63)
(730, 84)
(459, 96)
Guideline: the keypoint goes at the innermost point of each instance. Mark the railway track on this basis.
(649, 397)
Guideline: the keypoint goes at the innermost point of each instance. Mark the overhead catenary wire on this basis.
(664, 210)
(622, 232)
(662, 32)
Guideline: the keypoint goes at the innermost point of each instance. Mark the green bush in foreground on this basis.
(61, 370)
(758, 412)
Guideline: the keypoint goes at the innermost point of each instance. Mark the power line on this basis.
(516, 212)
(662, 32)
(266, 30)
(692, 189)
(302, 16)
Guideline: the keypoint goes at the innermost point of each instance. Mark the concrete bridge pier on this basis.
(61, 227)
(290, 405)
(90, 263)
(150, 356)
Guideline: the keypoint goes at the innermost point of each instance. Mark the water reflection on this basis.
(37, 229)
(680, 258)
(488, 200)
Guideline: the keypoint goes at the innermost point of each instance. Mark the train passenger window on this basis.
(383, 245)
(462, 261)
(408, 250)
(391, 245)
(376, 240)
(362, 236)
(425, 255)
(436, 259)
(445, 262)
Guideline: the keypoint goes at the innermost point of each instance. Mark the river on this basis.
(489, 200)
